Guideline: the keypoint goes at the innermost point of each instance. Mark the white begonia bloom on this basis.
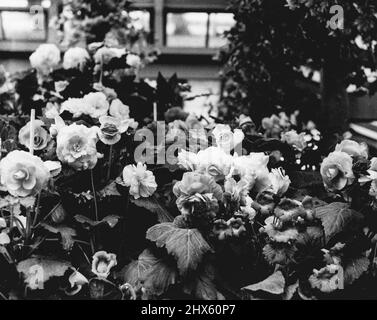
(45, 58)
(75, 58)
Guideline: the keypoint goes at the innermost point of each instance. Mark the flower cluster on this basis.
(341, 167)
(222, 203)
(45, 59)
(76, 146)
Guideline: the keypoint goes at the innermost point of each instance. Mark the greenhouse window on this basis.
(141, 19)
(197, 29)
(21, 22)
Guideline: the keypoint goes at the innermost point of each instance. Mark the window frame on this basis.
(3, 37)
(188, 9)
(151, 20)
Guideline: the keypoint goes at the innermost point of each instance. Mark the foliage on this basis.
(232, 211)
(275, 47)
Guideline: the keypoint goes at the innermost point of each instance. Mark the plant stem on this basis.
(28, 225)
(11, 221)
(124, 225)
(93, 235)
(110, 161)
(36, 211)
(94, 195)
(84, 254)
(2, 295)
(48, 215)
(28, 230)
(101, 74)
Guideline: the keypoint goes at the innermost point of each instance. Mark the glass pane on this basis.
(202, 105)
(142, 19)
(219, 23)
(186, 29)
(14, 3)
(19, 25)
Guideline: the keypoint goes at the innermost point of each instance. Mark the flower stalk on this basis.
(93, 234)
(110, 162)
(32, 120)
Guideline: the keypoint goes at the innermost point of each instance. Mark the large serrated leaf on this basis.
(41, 269)
(274, 284)
(154, 206)
(87, 223)
(202, 286)
(159, 278)
(313, 235)
(305, 179)
(135, 271)
(187, 245)
(290, 291)
(66, 234)
(150, 272)
(355, 269)
(102, 289)
(109, 190)
(337, 217)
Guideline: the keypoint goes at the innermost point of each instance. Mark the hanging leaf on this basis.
(203, 287)
(311, 236)
(66, 234)
(88, 223)
(109, 190)
(27, 202)
(153, 205)
(187, 245)
(102, 289)
(274, 284)
(337, 217)
(159, 278)
(111, 220)
(150, 272)
(290, 291)
(305, 179)
(58, 213)
(37, 270)
(85, 221)
(136, 269)
(355, 269)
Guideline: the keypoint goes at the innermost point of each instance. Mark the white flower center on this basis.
(102, 267)
(20, 175)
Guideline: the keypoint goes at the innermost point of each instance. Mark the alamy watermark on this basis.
(37, 13)
(336, 22)
(163, 147)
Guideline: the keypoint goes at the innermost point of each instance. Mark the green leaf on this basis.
(311, 236)
(88, 223)
(111, 220)
(159, 278)
(355, 269)
(85, 221)
(290, 291)
(150, 272)
(109, 190)
(187, 245)
(274, 284)
(203, 287)
(303, 179)
(27, 202)
(153, 205)
(337, 217)
(102, 289)
(66, 234)
(37, 270)
(135, 271)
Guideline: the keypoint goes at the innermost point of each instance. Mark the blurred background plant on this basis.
(285, 53)
(82, 22)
